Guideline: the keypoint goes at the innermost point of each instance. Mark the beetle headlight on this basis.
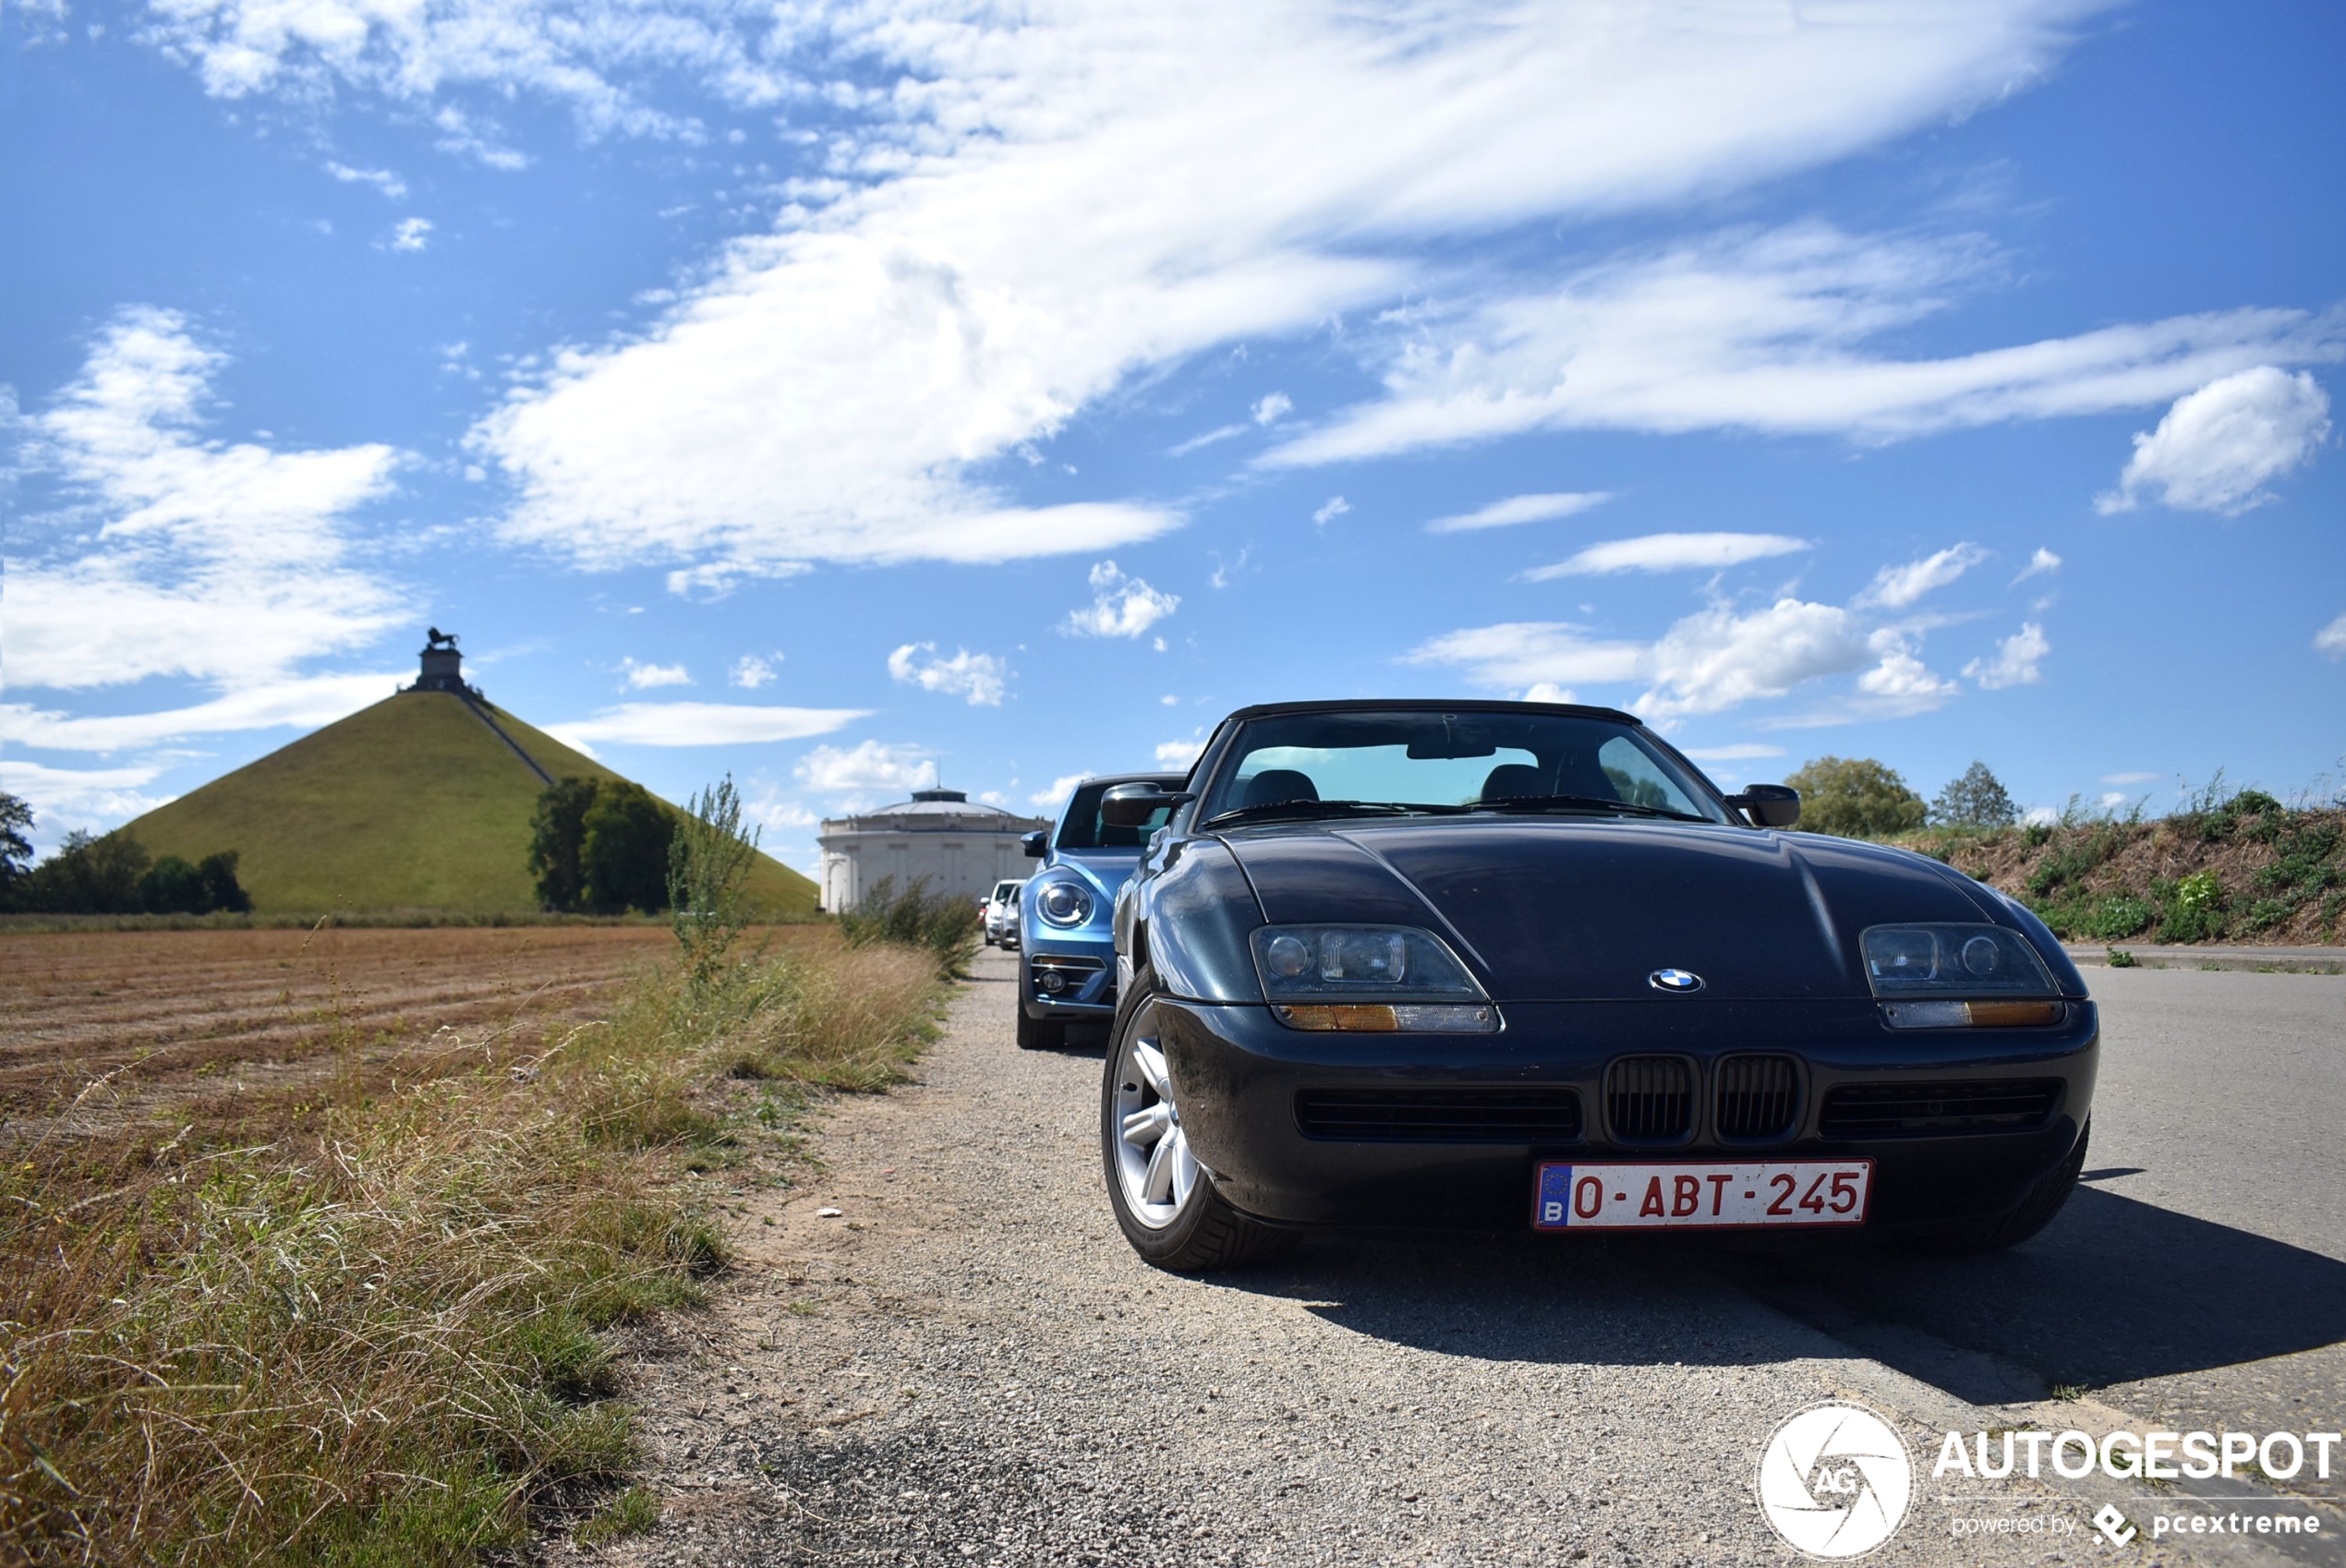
(1948, 976)
(1373, 978)
(1064, 903)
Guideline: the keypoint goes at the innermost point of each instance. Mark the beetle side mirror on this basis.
(1035, 844)
(1768, 805)
(1131, 805)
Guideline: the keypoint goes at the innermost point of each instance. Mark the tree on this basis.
(623, 858)
(708, 861)
(221, 889)
(171, 887)
(558, 832)
(1976, 800)
(15, 847)
(1856, 797)
(88, 876)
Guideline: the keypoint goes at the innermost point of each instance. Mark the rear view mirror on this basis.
(1454, 741)
(1033, 844)
(1131, 805)
(1768, 805)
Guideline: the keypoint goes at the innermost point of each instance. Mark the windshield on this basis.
(1082, 828)
(1494, 761)
(1005, 890)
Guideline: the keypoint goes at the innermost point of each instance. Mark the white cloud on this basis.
(641, 677)
(1768, 332)
(751, 670)
(1271, 409)
(870, 765)
(1120, 607)
(977, 677)
(2218, 447)
(2017, 660)
(1060, 789)
(2332, 639)
(1707, 661)
(701, 724)
(1742, 750)
(772, 809)
(713, 580)
(411, 233)
(181, 556)
(305, 701)
(830, 390)
(1898, 586)
(1548, 692)
(389, 184)
(2041, 817)
(1334, 508)
(1520, 508)
(1178, 754)
(1669, 552)
(2044, 563)
(2130, 778)
(63, 799)
(1219, 433)
(2113, 800)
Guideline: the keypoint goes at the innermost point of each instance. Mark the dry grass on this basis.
(364, 1323)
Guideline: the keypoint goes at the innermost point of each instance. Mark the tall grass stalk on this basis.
(382, 1336)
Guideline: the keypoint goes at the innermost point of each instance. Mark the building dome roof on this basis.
(940, 808)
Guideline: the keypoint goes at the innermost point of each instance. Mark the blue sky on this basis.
(844, 396)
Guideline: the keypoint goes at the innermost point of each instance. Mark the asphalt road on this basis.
(964, 1364)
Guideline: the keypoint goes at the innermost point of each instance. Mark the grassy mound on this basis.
(413, 804)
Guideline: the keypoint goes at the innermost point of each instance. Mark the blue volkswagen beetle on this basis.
(1069, 967)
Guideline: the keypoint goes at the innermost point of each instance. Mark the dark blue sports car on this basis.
(1487, 964)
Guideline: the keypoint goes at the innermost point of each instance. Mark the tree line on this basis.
(108, 874)
(1859, 798)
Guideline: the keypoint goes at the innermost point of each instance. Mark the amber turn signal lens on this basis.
(2014, 1015)
(1363, 1019)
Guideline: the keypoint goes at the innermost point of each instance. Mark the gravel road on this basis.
(967, 1365)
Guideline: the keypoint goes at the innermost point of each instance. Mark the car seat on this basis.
(1275, 785)
(1512, 781)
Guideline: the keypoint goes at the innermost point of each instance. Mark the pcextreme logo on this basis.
(1834, 1480)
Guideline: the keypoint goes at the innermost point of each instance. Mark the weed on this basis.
(945, 924)
(635, 1512)
(2120, 959)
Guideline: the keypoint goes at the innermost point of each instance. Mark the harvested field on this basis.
(202, 1021)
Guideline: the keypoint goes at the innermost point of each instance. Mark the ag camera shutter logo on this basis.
(1834, 1481)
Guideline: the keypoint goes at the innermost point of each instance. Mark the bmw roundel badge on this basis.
(1674, 980)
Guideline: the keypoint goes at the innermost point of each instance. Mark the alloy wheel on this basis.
(1152, 1160)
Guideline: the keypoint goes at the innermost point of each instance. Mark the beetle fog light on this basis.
(1400, 1017)
(1051, 980)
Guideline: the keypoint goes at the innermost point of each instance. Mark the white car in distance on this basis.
(1002, 913)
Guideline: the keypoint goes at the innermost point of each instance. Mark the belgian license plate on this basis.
(1680, 1195)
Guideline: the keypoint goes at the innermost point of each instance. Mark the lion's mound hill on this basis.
(417, 804)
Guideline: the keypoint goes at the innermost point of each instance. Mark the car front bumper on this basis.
(1084, 968)
(1245, 1084)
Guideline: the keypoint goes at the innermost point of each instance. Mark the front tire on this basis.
(1163, 1199)
(1040, 1034)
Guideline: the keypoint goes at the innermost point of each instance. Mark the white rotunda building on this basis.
(961, 847)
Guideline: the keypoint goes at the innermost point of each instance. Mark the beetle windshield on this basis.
(1306, 763)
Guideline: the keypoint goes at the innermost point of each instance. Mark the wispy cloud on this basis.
(2016, 661)
(1273, 408)
(642, 677)
(2332, 639)
(305, 703)
(389, 184)
(2043, 563)
(1520, 508)
(702, 724)
(181, 555)
(1895, 587)
(870, 765)
(1330, 510)
(411, 233)
(1669, 552)
(1742, 750)
(751, 670)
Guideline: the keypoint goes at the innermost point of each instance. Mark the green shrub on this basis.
(942, 923)
(2191, 909)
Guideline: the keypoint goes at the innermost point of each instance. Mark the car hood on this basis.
(1573, 909)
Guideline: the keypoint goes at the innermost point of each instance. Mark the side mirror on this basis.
(1768, 805)
(1131, 805)
(1035, 843)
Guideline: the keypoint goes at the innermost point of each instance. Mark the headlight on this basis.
(1947, 976)
(1373, 978)
(1064, 903)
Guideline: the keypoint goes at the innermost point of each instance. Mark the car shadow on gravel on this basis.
(2114, 1291)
